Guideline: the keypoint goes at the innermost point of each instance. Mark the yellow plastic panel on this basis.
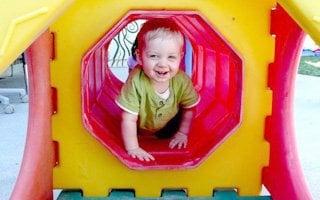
(237, 163)
(22, 22)
(307, 14)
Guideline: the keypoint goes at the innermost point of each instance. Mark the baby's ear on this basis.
(138, 57)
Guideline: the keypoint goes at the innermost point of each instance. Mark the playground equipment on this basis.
(5, 105)
(245, 56)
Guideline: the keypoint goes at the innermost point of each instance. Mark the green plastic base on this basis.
(166, 195)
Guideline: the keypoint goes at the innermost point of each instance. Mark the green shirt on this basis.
(138, 97)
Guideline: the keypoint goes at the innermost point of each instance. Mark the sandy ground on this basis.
(307, 114)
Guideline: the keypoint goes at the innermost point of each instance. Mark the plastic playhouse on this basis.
(244, 62)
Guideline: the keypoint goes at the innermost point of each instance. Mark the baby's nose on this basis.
(162, 62)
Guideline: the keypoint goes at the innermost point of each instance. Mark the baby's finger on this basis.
(150, 157)
(180, 144)
(140, 157)
(185, 144)
(172, 144)
(132, 155)
(146, 158)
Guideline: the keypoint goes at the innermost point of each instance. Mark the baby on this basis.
(157, 97)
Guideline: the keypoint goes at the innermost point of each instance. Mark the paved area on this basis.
(13, 133)
(307, 114)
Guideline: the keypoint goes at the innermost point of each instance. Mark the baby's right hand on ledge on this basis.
(141, 154)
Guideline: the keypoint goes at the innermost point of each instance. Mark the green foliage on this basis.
(308, 69)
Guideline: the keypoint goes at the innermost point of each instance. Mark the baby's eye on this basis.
(172, 57)
(153, 56)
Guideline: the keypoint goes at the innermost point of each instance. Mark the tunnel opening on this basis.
(215, 70)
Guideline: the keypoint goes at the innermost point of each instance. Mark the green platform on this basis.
(166, 195)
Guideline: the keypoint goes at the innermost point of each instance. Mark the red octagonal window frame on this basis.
(217, 75)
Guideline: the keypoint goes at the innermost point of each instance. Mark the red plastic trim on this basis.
(35, 177)
(283, 178)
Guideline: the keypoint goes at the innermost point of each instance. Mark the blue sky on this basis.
(309, 43)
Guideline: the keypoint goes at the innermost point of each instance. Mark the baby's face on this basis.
(161, 58)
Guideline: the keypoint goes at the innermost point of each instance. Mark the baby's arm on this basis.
(180, 139)
(130, 139)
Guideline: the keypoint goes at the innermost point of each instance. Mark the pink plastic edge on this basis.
(35, 177)
(283, 177)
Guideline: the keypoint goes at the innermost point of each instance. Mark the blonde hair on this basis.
(164, 33)
(159, 28)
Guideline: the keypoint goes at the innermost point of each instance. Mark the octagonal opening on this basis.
(216, 72)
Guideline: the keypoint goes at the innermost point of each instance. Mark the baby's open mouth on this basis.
(161, 73)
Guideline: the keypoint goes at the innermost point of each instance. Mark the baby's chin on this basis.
(162, 79)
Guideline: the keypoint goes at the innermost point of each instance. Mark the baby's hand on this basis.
(180, 140)
(140, 154)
